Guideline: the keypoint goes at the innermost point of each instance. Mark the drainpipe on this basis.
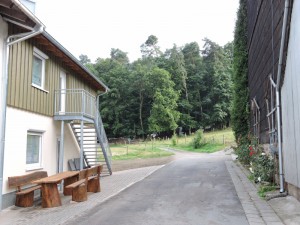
(285, 17)
(97, 102)
(13, 39)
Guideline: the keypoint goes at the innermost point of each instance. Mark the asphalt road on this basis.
(189, 191)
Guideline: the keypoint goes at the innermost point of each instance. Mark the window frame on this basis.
(256, 119)
(43, 57)
(38, 165)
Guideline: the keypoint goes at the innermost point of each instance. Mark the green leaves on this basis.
(240, 115)
(182, 87)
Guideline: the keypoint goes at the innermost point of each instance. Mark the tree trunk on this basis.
(141, 107)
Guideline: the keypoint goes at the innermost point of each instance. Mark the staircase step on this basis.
(92, 150)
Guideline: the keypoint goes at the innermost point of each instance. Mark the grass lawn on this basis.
(137, 151)
(215, 141)
(206, 148)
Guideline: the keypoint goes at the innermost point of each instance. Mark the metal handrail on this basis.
(81, 103)
(103, 141)
(74, 102)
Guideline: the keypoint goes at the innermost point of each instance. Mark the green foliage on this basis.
(240, 108)
(243, 153)
(198, 139)
(182, 87)
(84, 59)
(174, 140)
(137, 151)
(264, 189)
(263, 168)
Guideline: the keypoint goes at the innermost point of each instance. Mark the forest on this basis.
(181, 90)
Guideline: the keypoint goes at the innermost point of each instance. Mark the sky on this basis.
(93, 27)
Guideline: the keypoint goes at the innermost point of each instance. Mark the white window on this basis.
(34, 150)
(38, 68)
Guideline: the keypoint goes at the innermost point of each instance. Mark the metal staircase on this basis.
(81, 107)
(95, 145)
(92, 151)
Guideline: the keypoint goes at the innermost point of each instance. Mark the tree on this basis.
(240, 108)
(164, 114)
(150, 47)
(217, 79)
(173, 61)
(195, 86)
(119, 56)
(84, 59)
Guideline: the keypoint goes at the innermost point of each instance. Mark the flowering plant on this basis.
(251, 151)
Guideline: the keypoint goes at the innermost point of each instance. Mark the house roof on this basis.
(53, 46)
(13, 10)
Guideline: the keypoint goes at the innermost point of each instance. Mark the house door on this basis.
(62, 97)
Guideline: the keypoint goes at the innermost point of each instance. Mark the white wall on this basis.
(18, 123)
(290, 98)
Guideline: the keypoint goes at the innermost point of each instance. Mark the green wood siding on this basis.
(21, 93)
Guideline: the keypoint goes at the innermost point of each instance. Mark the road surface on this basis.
(195, 189)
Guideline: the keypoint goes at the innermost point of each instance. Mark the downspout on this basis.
(284, 25)
(13, 39)
(98, 103)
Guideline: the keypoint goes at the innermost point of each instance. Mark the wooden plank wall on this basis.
(290, 98)
(21, 94)
(260, 54)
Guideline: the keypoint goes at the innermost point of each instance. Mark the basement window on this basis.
(34, 150)
(38, 68)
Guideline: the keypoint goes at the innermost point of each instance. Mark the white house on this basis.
(49, 102)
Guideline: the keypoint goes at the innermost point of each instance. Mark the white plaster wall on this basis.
(18, 123)
(290, 98)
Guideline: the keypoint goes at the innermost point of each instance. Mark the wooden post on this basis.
(127, 150)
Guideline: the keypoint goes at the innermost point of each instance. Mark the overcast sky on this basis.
(93, 27)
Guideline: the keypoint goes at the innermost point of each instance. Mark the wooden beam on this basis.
(13, 14)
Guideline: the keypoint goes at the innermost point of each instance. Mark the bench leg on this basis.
(50, 195)
(25, 200)
(94, 185)
(79, 193)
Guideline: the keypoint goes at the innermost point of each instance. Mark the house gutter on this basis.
(279, 72)
(11, 40)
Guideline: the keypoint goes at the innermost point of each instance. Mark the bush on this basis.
(174, 140)
(198, 139)
(263, 168)
(245, 153)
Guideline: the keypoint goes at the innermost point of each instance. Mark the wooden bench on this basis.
(89, 181)
(24, 198)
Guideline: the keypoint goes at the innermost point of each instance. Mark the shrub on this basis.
(245, 153)
(174, 140)
(263, 168)
(198, 139)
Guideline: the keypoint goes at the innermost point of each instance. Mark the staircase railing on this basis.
(78, 104)
(103, 141)
(74, 102)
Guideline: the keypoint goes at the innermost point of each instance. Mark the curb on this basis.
(257, 211)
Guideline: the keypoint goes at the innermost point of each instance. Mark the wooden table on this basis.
(50, 194)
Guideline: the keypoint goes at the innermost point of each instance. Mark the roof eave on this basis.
(65, 51)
